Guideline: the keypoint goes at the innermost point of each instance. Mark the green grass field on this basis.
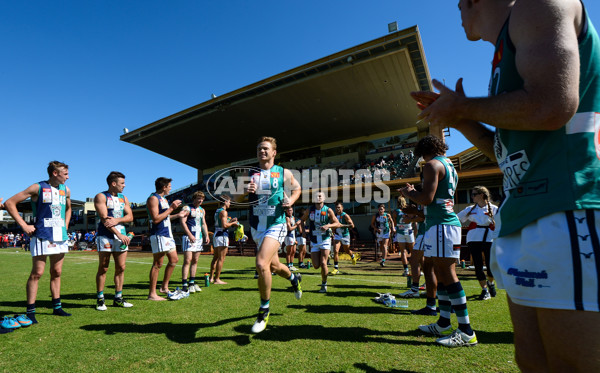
(342, 331)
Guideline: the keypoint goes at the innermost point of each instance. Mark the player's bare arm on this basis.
(12, 202)
(432, 172)
(550, 95)
(334, 222)
(349, 222)
(294, 188)
(183, 219)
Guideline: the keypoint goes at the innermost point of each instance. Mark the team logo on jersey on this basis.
(275, 174)
(61, 193)
(121, 200)
(55, 211)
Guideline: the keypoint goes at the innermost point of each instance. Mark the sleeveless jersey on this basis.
(195, 221)
(266, 209)
(343, 232)
(441, 210)
(164, 227)
(292, 233)
(382, 222)
(115, 206)
(49, 212)
(402, 228)
(317, 219)
(219, 230)
(562, 166)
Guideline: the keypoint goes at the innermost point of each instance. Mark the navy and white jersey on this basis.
(164, 227)
(292, 233)
(195, 221)
(115, 206)
(49, 212)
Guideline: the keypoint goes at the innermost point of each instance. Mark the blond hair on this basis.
(268, 139)
(402, 202)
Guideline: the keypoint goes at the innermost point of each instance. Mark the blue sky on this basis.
(75, 73)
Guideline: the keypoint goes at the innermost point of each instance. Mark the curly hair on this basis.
(430, 145)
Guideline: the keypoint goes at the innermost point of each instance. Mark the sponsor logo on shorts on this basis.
(528, 279)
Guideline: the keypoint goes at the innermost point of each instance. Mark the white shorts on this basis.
(383, 236)
(290, 241)
(301, 241)
(345, 240)
(277, 232)
(109, 245)
(221, 240)
(39, 247)
(407, 238)
(187, 245)
(419, 243)
(161, 244)
(552, 262)
(442, 241)
(323, 245)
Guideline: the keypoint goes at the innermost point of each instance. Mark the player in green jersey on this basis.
(544, 100)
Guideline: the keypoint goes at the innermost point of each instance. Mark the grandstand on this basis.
(349, 110)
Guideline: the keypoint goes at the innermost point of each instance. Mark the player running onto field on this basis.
(321, 220)
(268, 223)
(383, 226)
(342, 237)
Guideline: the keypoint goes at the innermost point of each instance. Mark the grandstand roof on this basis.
(355, 93)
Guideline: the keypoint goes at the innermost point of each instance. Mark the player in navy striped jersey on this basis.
(51, 202)
(113, 210)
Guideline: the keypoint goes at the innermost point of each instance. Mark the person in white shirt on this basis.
(480, 219)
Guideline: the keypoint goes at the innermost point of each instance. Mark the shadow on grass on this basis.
(329, 308)
(41, 304)
(505, 337)
(179, 333)
(368, 369)
(290, 333)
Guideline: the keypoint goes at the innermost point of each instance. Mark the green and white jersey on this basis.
(549, 171)
(316, 219)
(266, 209)
(343, 232)
(441, 210)
(401, 227)
(382, 222)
